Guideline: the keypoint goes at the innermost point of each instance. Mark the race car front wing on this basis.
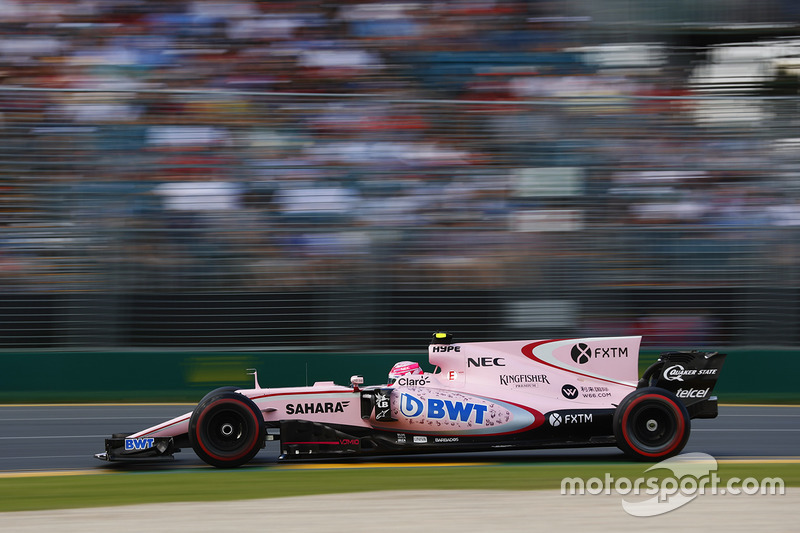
(124, 448)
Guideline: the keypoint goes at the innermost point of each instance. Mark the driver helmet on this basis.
(403, 368)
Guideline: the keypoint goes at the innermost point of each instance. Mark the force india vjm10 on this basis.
(482, 396)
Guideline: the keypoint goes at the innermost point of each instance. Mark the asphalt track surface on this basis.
(66, 437)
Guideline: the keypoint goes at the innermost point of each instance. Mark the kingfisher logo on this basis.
(581, 353)
(438, 409)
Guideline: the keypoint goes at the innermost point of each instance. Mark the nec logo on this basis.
(486, 361)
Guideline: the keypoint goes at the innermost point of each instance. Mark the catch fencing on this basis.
(245, 220)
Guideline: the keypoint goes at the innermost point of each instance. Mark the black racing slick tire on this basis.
(651, 424)
(226, 388)
(226, 430)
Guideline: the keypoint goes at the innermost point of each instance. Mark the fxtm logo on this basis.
(556, 419)
(581, 353)
(318, 407)
(437, 409)
(486, 361)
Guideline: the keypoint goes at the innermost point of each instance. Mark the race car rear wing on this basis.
(691, 376)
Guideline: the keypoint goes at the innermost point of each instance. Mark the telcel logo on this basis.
(692, 393)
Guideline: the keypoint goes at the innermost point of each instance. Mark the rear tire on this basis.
(226, 430)
(651, 424)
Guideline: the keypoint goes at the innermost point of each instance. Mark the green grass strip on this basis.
(205, 484)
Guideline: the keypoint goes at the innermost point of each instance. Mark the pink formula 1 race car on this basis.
(482, 396)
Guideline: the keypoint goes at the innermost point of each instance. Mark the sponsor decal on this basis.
(485, 361)
(439, 412)
(452, 375)
(383, 411)
(595, 392)
(316, 407)
(350, 442)
(556, 419)
(445, 439)
(139, 444)
(439, 348)
(414, 381)
(401, 438)
(581, 353)
(692, 393)
(420, 439)
(440, 409)
(569, 392)
(677, 372)
(523, 380)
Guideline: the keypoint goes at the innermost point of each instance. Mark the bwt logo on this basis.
(581, 353)
(436, 409)
(139, 444)
(486, 361)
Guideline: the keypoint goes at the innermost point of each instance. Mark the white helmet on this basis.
(403, 368)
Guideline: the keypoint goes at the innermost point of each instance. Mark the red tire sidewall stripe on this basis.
(199, 425)
(679, 415)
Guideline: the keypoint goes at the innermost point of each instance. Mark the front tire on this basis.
(651, 424)
(226, 430)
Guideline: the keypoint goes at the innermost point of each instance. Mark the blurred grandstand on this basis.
(355, 175)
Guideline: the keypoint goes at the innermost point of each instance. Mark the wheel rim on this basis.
(226, 431)
(652, 427)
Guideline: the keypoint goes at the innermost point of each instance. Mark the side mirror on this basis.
(355, 381)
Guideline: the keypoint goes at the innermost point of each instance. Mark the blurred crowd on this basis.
(282, 145)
